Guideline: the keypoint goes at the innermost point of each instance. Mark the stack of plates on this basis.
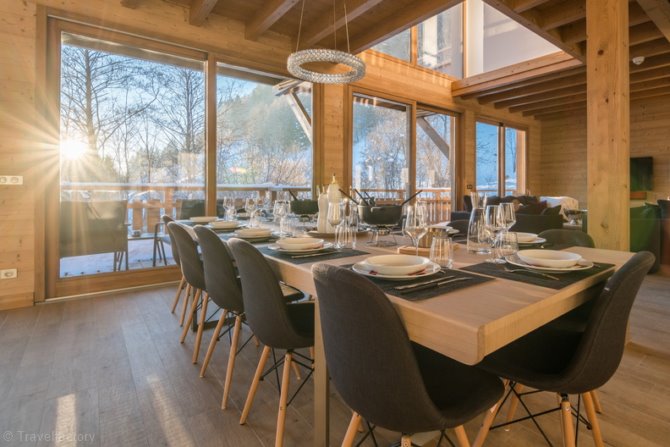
(202, 219)
(396, 267)
(254, 233)
(529, 238)
(549, 260)
(299, 245)
(224, 224)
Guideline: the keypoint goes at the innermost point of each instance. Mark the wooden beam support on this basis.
(515, 73)
(434, 136)
(412, 14)
(300, 114)
(526, 5)
(556, 109)
(497, 94)
(199, 11)
(645, 32)
(634, 96)
(536, 22)
(523, 91)
(323, 27)
(608, 123)
(267, 16)
(659, 12)
(544, 96)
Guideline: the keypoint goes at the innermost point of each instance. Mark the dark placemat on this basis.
(433, 290)
(564, 279)
(327, 255)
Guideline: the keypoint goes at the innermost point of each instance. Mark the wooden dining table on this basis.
(465, 324)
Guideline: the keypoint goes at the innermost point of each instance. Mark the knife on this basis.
(313, 254)
(424, 283)
(435, 284)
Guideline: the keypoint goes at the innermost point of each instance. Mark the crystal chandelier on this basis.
(296, 60)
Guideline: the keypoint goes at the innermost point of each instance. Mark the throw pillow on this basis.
(532, 208)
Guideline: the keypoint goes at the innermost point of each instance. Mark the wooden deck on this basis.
(112, 368)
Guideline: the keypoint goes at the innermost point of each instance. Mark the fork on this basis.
(509, 270)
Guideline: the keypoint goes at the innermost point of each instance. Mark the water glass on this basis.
(507, 244)
(416, 224)
(441, 252)
(229, 207)
(493, 228)
(506, 215)
(478, 239)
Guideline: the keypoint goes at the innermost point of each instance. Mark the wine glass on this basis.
(493, 228)
(280, 211)
(335, 217)
(415, 225)
(506, 215)
(229, 206)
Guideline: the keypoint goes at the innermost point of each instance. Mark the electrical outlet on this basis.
(11, 180)
(8, 274)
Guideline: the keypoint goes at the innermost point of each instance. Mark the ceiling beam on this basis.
(650, 93)
(562, 13)
(659, 12)
(645, 32)
(199, 11)
(651, 63)
(534, 21)
(562, 108)
(539, 97)
(576, 32)
(267, 16)
(653, 48)
(324, 27)
(132, 4)
(558, 115)
(515, 73)
(492, 94)
(525, 5)
(532, 109)
(410, 15)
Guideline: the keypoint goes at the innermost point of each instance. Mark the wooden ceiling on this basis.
(323, 24)
(534, 90)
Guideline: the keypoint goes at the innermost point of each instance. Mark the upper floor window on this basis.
(398, 46)
(440, 42)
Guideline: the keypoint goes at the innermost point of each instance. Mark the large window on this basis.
(263, 135)
(500, 153)
(398, 46)
(132, 128)
(440, 42)
(380, 162)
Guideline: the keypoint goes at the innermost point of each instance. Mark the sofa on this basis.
(532, 216)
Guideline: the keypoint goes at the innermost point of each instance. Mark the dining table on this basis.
(465, 324)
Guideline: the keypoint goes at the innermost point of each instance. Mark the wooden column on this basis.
(608, 122)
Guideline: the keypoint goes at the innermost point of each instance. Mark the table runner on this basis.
(564, 279)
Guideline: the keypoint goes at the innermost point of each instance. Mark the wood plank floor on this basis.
(109, 371)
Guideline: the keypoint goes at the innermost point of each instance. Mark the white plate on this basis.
(526, 238)
(202, 219)
(299, 243)
(539, 240)
(289, 251)
(556, 259)
(363, 269)
(224, 225)
(583, 264)
(396, 264)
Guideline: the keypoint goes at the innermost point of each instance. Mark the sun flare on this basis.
(72, 150)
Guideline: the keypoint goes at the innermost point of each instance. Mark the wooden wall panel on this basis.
(563, 146)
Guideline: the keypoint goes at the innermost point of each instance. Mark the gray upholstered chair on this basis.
(277, 325)
(381, 375)
(564, 361)
(192, 269)
(560, 238)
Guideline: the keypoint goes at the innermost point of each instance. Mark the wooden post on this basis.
(608, 122)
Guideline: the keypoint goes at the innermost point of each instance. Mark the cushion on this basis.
(551, 211)
(532, 208)
(527, 200)
(645, 212)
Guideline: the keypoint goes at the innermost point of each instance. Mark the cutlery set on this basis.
(438, 282)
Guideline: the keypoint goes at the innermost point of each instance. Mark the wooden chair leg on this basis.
(187, 298)
(254, 384)
(231, 361)
(513, 404)
(593, 419)
(568, 426)
(180, 288)
(201, 328)
(213, 342)
(283, 400)
(462, 437)
(352, 430)
(296, 370)
(596, 401)
(194, 308)
(490, 416)
(406, 441)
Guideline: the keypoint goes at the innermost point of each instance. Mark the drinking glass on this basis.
(351, 222)
(507, 244)
(279, 212)
(229, 206)
(493, 228)
(250, 208)
(416, 225)
(441, 252)
(506, 215)
(335, 218)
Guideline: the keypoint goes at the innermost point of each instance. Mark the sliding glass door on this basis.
(500, 155)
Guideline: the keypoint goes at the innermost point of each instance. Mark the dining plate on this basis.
(525, 238)
(396, 264)
(582, 264)
(549, 258)
(363, 269)
(538, 241)
(291, 251)
(202, 219)
(224, 225)
(299, 243)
